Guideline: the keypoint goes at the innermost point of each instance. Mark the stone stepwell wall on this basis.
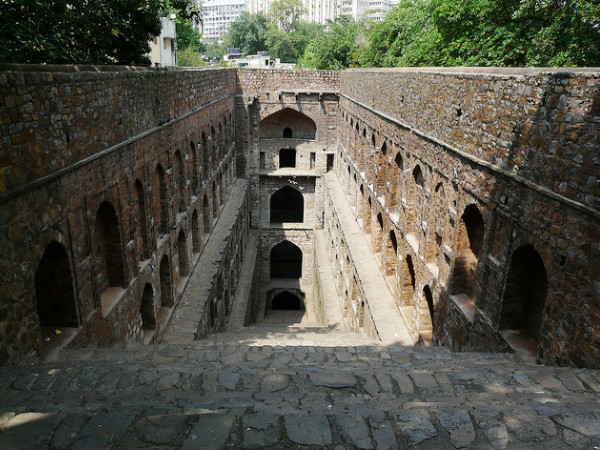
(257, 81)
(540, 124)
(54, 116)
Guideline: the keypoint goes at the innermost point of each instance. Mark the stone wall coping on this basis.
(74, 68)
(495, 71)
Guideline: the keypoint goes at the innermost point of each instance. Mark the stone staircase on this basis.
(294, 385)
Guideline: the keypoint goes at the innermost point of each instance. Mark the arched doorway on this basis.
(469, 247)
(525, 293)
(159, 190)
(195, 232)
(287, 301)
(166, 293)
(54, 291)
(143, 221)
(109, 254)
(182, 253)
(147, 308)
(286, 261)
(287, 206)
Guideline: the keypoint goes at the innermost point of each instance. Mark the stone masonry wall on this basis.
(517, 149)
(165, 185)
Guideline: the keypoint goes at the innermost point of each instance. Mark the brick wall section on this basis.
(59, 116)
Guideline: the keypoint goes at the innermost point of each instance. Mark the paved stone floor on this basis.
(230, 391)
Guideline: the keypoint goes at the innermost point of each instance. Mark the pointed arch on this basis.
(143, 220)
(160, 200)
(55, 295)
(205, 156)
(147, 309)
(525, 292)
(109, 250)
(195, 168)
(287, 206)
(206, 214)
(166, 283)
(286, 260)
(196, 242)
(273, 125)
(469, 247)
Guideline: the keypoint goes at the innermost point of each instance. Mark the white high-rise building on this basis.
(217, 17)
(322, 10)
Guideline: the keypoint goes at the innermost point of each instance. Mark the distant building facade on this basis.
(163, 49)
(217, 17)
(320, 11)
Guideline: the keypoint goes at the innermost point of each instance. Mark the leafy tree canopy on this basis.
(84, 31)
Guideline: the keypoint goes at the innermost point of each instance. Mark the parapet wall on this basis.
(55, 116)
(253, 82)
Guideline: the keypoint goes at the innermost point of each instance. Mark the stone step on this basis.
(237, 396)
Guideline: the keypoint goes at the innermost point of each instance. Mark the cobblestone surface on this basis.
(230, 395)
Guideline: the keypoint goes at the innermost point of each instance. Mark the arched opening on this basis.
(215, 200)
(221, 189)
(286, 261)
(288, 133)
(147, 308)
(525, 293)
(205, 156)
(182, 253)
(166, 293)
(287, 157)
(109, 249)
(392, 256)
(54, 291)
(214, 144)
(287, 205)
(206, 214)
(143, 223)
(180, 180)
(273, 126)
(287, 301)
(469, 246)
(195, 177)
(195, 232)
(379, 233)
(418, 177)
(160, 201)
(408, 282)
(425, 317)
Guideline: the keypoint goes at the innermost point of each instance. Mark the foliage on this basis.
(248, 33)
(487, 33)
(214, 50)
(336, 48)
(189, 36)
(78, 31)
(286, 14)
(189, 57)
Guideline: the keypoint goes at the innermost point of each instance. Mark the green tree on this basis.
(78, 31)
(336, 48)
(286, 13)
(248, 33)
(189, 36)
(189, 57)
(407, 37)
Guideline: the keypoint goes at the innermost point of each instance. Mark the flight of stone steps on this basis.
(292, 386)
